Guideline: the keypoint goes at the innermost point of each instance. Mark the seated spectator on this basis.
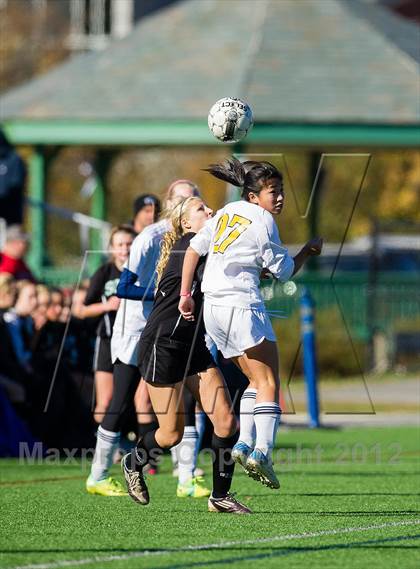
(40, 314)
(55, 307)
(7, 292)
(19, 324)
(14, 250)
(8, 370)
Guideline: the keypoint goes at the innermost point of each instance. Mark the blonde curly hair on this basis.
(178, 214)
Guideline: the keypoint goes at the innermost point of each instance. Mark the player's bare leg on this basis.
(260, 365)
(169, 408)
(104, 383)
(146, 419)
(210, 390)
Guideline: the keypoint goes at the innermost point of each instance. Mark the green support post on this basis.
(314, 211)
(36, 191)
(98, 209)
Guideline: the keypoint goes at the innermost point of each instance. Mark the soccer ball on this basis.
(230, 119)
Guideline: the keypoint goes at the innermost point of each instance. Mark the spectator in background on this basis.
(19, 326)
(7, 293)
(12, 182)
(9, 365)
(101, 302)
(55, 306)
(146, 210)
(84, 331)
(14, 250)
(40, 314)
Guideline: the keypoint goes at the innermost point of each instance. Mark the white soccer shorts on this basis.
(235, 330)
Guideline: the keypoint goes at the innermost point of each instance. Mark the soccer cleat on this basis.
(260, 467)
(227, 505)
(107, 487)
(240, 453)
(194, 488)
(136, 485)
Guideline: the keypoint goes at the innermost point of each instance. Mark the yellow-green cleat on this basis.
(107, 487)
(194, 488)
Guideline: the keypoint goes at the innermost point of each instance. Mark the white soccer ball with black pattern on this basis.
(230, 119)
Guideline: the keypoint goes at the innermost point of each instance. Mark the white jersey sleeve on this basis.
(202, 241)
(274, 255)
(132, 314)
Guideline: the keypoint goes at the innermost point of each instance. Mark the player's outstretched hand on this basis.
(186, 307)
(315, 246)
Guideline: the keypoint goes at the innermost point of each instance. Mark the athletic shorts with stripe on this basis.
(102, 358)
(165, 362)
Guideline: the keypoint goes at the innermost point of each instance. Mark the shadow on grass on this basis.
(274, 551)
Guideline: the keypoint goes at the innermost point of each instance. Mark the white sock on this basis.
(247, 424)
(186, 455)
(174, 456)
(106, 444)
(267, 418)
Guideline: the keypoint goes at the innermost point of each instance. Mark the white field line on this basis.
(217, 546)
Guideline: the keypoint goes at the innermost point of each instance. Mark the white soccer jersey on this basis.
(241, 239)
(132, 315)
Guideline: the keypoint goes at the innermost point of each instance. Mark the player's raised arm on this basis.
(199, 246)
(274, 254)
(311, 249)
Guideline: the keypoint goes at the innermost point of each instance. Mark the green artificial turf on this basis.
(354, 493)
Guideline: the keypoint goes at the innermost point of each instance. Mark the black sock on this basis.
(223, 464)
(142, 429)
(147, 450)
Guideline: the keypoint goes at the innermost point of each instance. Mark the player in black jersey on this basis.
(101, 301)
(173, 355)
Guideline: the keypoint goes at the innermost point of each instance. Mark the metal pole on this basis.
(36, 191)
(309, 356)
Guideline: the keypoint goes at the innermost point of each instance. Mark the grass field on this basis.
(348, 499)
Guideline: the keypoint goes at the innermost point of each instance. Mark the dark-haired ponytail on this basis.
(232, 171)
(250, 176)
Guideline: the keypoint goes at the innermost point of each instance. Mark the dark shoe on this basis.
(136, 485)
(227, 505)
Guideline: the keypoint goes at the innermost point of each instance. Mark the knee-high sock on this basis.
(106, 444)
(174, 456)
(142, 429)
(223, 465)
(247, 424)
(187, 457)
(146, 450)
(267, 418)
